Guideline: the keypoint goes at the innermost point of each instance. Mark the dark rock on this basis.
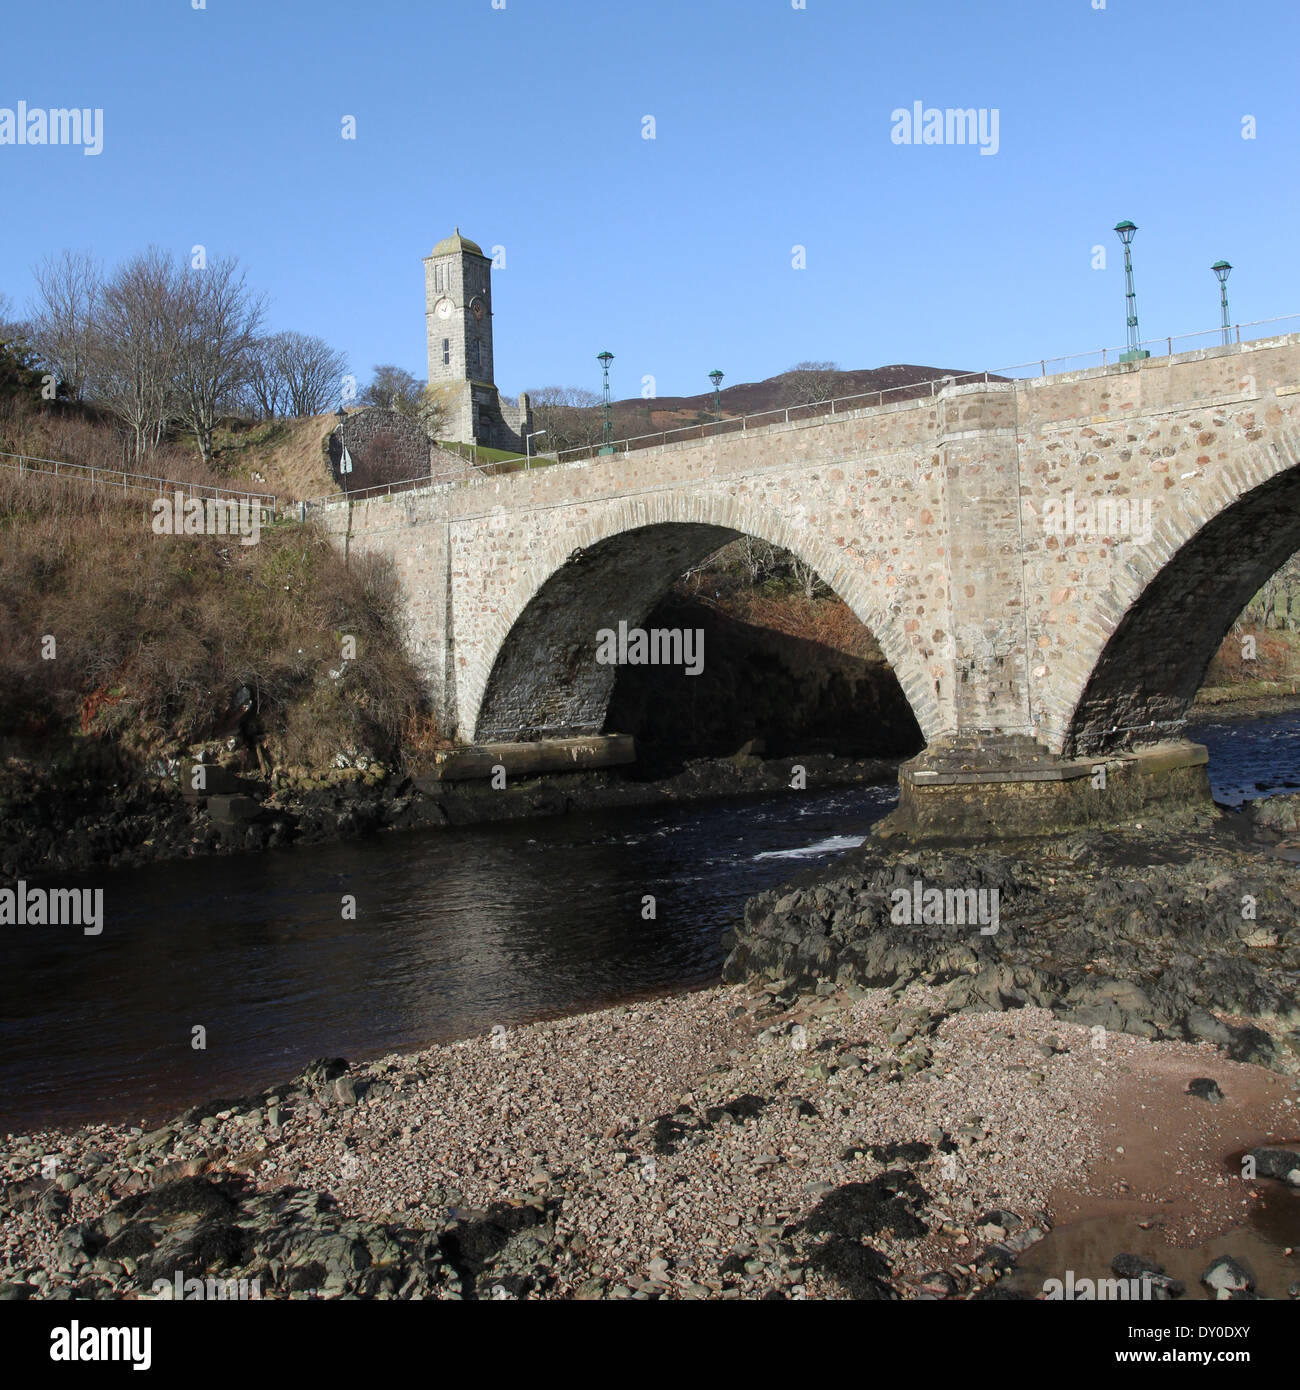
(1160, 905)
(1226, 1274)
(1204, 1088)
(1278, 1161)
(938, 1283)
(996, 1257)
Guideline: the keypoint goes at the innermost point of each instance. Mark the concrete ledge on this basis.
(579, 754)
(1045, 796)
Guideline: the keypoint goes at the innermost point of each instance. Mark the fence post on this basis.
(1169, 347)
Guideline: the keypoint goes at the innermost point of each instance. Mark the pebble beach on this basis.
(733, 1143)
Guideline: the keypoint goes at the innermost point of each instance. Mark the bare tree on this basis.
(393, 387)
(68, 288)
(570, 415)
(136, 347)
(218, 333)
(806, 577)
(311, 370)
(758, 558)
(10, 328)
(266, 386)
(809, 383)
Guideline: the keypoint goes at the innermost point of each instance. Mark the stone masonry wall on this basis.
(926, 517)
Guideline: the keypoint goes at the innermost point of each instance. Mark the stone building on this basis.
(458, 319)
(384, 446)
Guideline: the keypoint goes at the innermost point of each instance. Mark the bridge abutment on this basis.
(1011, 786)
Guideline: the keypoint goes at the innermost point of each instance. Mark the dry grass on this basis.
(286, 457)
(152, 635)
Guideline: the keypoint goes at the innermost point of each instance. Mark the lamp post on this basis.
(607, 429)
(528, 445)
(345, 459)
(715, 376)
(1125, 231)
(1221, 270)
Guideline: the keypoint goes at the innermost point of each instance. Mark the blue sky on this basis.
(523, 125)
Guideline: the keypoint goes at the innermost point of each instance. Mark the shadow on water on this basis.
(455, 930)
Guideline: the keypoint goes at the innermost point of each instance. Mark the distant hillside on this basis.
(636, 416)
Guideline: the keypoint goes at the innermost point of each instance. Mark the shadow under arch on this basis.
(544, 678)
(1152, 666)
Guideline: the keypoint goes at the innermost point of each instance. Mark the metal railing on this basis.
(925, 388)
(118, 480)
(740, 424)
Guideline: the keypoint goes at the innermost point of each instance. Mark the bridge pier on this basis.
(1009, 786)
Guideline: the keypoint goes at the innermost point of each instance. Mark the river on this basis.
(455, 931)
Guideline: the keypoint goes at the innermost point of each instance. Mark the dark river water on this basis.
(455, 931)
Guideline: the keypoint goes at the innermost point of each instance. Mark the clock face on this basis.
(476, 308)
(443, 308)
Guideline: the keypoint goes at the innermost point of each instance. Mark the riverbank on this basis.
(71, 825)
(1251, 702)
(731, 1143)
(74, 819)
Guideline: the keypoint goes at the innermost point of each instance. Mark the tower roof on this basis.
(451, 245)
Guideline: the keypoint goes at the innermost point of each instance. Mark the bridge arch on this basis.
(1175, 600)
(536, 672)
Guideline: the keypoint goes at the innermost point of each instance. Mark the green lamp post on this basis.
(1221, 270)
(1125, 231)
(715, 376)
(607, 429)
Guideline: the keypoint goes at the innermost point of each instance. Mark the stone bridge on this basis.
(955, 526)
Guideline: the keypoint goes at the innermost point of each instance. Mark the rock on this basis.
(1204, 1088)
(1225, 1275)
(1277, 1161)
(937, 1283)
(1202, 1025)
(232, 810)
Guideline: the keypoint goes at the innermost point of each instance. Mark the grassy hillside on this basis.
(153, 644)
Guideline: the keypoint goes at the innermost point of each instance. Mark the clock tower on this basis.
(458, 329)
(458, 309)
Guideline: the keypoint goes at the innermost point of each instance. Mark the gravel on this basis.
(730, 1143)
